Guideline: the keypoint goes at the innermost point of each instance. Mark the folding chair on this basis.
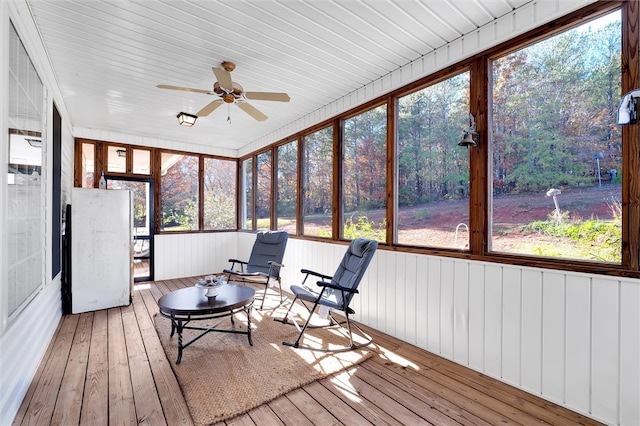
(335, 292)
(265, 261)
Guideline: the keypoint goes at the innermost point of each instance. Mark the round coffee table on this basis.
(190, 304)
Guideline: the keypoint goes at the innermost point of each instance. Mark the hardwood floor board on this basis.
(44, 398)
(288, 413)
(542, 409)
(470, 405)
(242, 420)
(460, 415)
(377, 379)
(264, 415)
(121, 404)
(67, 410)
(174, 406)
(147, 403)
(380, 399)
(316, 413)
(127, 379)
(526, 402)
(340, 384)
(341, 410)
(95, 400)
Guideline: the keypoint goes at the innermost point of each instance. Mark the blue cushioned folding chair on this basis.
(335, 292)
(265, 261)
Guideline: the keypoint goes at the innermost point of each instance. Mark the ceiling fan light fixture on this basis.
(186, 119)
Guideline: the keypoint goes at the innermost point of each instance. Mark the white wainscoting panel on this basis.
(570, 338)
(188, 255)
(23, 345)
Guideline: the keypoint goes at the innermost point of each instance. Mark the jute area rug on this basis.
(222, 376)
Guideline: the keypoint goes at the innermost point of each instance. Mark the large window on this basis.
(263, 191)
(179, 192)
(25, 214)
(246, 200)
(556, 153)
(287, 186)
(364, 177)
(432, 170)
(317, 183)
(219, 194)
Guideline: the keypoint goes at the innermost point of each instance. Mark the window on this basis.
(116, 159)
(219, 194)
(87, 165)
(287, 187)
(556, 155)
(25, 212)
(247, 194)
(432, 170)
(179, 192)
(263, 191)
(364, 182)
(317, 183)
(141, 161)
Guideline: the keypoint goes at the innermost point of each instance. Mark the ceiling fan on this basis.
(231, 93)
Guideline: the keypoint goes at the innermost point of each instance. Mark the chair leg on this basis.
(297, 342)
(284, 320)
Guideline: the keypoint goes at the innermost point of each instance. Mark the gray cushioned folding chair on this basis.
(335, 292)
(265, 261)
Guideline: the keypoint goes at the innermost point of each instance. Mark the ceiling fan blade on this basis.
(208, 109)
(224, 78)
(184, 89)
(267, 96)
(252, 111)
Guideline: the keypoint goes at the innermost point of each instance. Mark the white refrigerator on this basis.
(101, 249)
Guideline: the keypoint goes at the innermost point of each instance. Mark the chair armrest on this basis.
(233, 264)
(316, 274)
(336, 287)
(274, 263)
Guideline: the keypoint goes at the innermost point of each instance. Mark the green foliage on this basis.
(361, 227)
(423, 214)
(591, 239)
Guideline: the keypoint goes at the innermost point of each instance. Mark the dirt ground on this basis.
(443, 218)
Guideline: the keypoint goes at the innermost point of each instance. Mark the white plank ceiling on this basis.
(108, 56)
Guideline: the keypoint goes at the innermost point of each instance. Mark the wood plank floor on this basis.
(108, 368)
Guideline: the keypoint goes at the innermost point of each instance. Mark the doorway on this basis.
(142, 191)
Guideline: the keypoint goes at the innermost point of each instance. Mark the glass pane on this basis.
(263, 191)
(142, 194)
(220, 194)
(23, 225)
(116, 159)
(432, 170)
(317, 183)
(364, 175)
(179, 192)
(287, 187)
(556, 152)
(141, 161)
(247, 194)
(88, 154)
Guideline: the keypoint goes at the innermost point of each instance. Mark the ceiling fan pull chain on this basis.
(229, 113)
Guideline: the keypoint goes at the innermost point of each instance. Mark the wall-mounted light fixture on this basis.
(186, 119)
(122, 153)
(35, 143)
(469, 135)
